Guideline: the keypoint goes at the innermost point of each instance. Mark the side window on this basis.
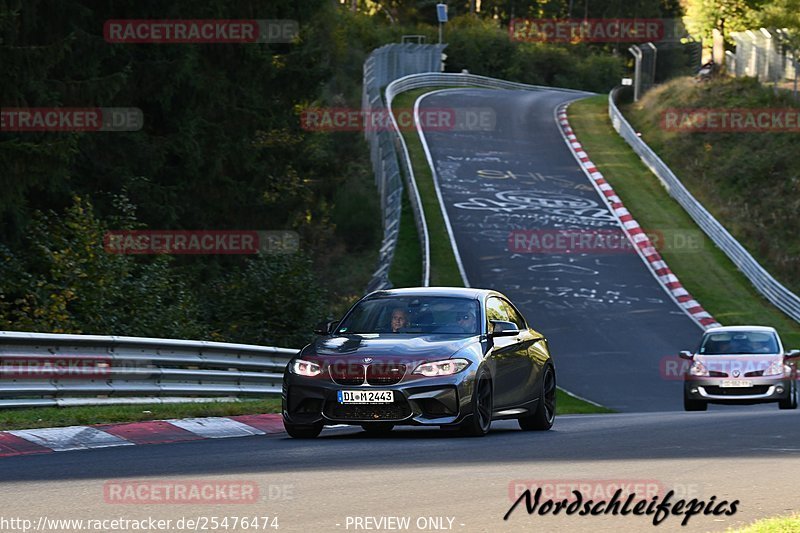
(497, 309)
(514, 316)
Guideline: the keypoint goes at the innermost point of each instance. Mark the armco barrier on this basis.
(384, 65)
(39, 369)
(780, 296)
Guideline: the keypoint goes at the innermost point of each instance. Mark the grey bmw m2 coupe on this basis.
(447, 357)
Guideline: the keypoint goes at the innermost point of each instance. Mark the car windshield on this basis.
(739, 343)
(413, 314)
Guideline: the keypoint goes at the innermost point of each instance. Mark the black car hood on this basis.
(393, 346)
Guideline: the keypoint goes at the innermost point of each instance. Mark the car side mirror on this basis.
(502, 328)
(685, 354)
(792, 354)
(325, 328)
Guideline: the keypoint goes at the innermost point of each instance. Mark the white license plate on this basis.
(365, 396)
(736, 383)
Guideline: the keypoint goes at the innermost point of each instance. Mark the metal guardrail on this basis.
(38, 369)
(769, 287)
(383, 66)
(450, 79)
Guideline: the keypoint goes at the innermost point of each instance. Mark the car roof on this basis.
(723, 329)
(462, 292)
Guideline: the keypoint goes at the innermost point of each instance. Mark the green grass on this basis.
(705, 272)
(444, 269)
(786, 524)
(570, 405)
(406, 269)
(42, 417)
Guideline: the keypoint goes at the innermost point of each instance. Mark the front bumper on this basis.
(425, 401)
(763, 390)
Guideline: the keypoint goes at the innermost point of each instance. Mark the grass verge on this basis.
(43, 417)
(567, 404)
(704, 270)
(785, 524)
(444, 269)
(406, 269)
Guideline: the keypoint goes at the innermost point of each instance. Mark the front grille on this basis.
(390, 411)
(348, 374)
(385, 373)
(737, 391)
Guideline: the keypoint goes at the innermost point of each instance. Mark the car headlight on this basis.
(775, 369)
(447, 367)
(305, 368)
(698, 369)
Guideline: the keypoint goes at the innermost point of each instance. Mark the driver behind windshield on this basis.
(399, 320)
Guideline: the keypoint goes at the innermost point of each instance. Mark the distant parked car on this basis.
(447, 357)
(740, 365)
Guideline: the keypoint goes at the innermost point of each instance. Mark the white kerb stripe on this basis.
(630, 224)
(71, 438)
(216, 427)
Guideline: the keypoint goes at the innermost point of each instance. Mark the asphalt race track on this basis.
(315, 485)
(609, 324)
(608, 320)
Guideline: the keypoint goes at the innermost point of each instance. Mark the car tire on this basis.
(694, 405)
(297, 431)
(378, 428)
(478, 424)
(791, 401)
(545, 414)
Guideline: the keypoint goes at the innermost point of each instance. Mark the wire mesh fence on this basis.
(384, 65)
(767, 55)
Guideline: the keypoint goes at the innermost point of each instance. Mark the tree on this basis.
(714, 20)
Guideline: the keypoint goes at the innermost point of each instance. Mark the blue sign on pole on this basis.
(441, 12)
